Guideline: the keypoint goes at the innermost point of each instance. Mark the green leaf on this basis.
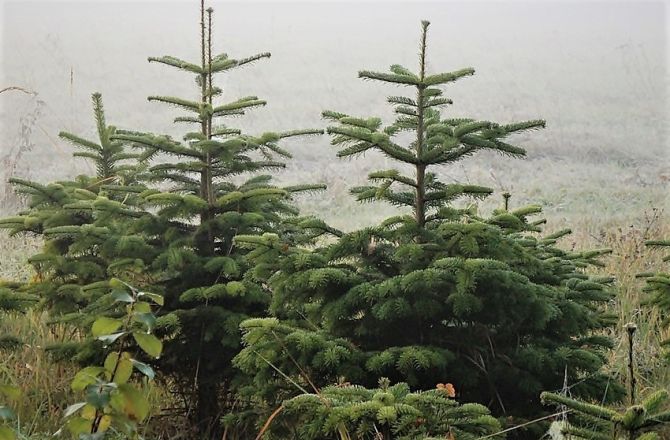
(158, 299)
(6, 433)
(149, 343)
(122, 296)
(105, 326)
(6, 413)
(97, 396)
(109, 339)
(116, 283)
(11, 392)
(110, 363)
(144, 368)
(131, 402)
(142, 307)
(124, 369)
(86, 377)
(78, 425)
(148, 319)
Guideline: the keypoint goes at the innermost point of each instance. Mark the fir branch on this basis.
(444, 78)
(305, 132)
(160, 143)
(586, 408)
(80, 142)
(99, 115)
(407, 80)
(240, 104)
(304, 188)
(222, 63)
(401, 100)
(179, 102)
(176, 62)
(524, 126)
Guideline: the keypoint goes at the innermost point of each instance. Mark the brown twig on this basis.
(268, 422)
(630, 328)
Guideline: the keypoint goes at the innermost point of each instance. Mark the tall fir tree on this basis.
(439, 295)
(212, 190)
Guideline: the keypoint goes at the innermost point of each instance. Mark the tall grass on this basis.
(45, 390)
(630, 257)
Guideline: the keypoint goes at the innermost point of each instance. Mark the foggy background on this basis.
(596, 71)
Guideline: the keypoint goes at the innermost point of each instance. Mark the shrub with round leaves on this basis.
(112, 397)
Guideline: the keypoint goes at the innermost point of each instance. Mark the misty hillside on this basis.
(597, 72)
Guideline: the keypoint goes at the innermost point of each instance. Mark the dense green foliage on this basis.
(208, 190)
(262, 311)
(444, 294)
(83, 224)
(80, 241)
(348, 411)
(167, 227)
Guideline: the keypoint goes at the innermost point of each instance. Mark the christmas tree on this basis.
(440, 295)
(211, 189)
(83, 237)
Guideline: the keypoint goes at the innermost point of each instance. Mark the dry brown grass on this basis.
(44, 384)
(630, 257)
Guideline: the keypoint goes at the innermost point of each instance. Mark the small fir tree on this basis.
(83, 223)
(211, 189)
(442, 294)
(80, 240)
(348, 411)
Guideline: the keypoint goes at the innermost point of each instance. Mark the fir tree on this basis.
(85, 241)
(348, 411)
(442, 294)
(211, 190)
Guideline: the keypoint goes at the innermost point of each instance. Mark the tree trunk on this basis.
(208, 411)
